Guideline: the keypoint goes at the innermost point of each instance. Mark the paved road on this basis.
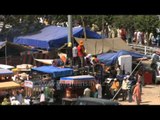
(150, 96)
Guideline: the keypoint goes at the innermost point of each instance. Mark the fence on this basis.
(147, 50)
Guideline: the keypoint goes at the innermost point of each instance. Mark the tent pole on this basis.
(113, 44)
(102, 32)
(6, 52)
(69, 28)
(84, 31)
(70, 36)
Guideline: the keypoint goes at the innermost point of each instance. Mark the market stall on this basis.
(5, 72)
(34, 87)
(3, 66)
(24, 67)
(9, 85)
(75, 85)
(5, 75)
(83, 80)
(44, 79)
(6, 88)
(54, 71)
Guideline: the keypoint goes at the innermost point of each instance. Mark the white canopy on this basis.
(45, 61)
(3, 66)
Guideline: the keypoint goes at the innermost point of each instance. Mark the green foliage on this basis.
(25, 24)
(21, 25)
(145, 23)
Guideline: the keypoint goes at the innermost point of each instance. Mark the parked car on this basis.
(95, 101)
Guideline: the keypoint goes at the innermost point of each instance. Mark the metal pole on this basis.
(102, 33)
(6, 52)
(84, 32)
(70, 36)
(84, 29)
(113, 44)
(69, 28)
(145, 50)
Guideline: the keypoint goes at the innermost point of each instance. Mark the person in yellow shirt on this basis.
(69, 53)
(115, 86)
(5, 102)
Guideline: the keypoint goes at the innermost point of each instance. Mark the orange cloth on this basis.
(63, 58)
(115, 86)
(81, 42)
(137, 93)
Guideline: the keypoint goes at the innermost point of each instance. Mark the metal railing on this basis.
(147, 50)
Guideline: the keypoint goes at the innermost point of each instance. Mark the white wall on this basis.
(126, 63)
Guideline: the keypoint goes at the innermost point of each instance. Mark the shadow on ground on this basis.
(148, 87)
(145, 101)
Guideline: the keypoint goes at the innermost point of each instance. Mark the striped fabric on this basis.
(28, 58)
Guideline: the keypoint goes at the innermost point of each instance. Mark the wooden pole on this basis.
(84, 32)
(102, 33)
(95, 47)
(6, 52)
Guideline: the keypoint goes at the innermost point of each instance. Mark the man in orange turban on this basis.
(81, 52)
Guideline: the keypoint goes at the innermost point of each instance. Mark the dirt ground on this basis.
(150, 96)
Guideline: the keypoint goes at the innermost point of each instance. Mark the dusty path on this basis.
(150, 96)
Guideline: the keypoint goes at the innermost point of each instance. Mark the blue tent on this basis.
(111, 58)
(80, 79)
(5, 71)
(55, 71)
(53, 37)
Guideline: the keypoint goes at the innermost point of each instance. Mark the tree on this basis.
(20, 25)
(147, 23)
(126, 21)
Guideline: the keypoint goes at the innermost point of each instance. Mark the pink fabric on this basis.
(137, 93)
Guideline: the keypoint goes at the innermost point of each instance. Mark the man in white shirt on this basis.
(139, 38)
(99, 88)
(155, 57)
(87, 92)
(42, 98)
(75, 55)
(155, 62)
(14, 101)
(125, 87)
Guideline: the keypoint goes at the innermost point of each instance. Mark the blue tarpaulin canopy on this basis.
(111, 58)
(53, 37)
(5, 71)
(55, 71)
(81, 79)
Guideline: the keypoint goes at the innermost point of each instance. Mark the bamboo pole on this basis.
(102, 33)
(6, 52)
(84, 32)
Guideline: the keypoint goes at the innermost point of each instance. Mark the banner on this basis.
(28, 83)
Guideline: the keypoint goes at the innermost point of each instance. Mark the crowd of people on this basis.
(127, 84)
(130, 87)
